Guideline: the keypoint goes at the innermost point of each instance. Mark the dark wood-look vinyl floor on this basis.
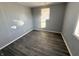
(37, 43)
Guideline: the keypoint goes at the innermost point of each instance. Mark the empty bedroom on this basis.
(39, 29)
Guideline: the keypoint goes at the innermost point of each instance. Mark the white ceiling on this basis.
(36, 4)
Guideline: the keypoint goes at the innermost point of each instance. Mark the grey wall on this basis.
(71, 18)
(8, 13)
(56, 17)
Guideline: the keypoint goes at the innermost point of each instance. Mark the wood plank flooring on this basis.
(37, 43)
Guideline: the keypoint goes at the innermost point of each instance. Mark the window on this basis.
(45, 12)
(77, 30)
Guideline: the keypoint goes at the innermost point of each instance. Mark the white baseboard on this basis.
(16, 39)
(48, 30)
(66, 44)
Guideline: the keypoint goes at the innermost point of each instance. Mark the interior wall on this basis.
(10, 14)
(71, 18)
(54, 23)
